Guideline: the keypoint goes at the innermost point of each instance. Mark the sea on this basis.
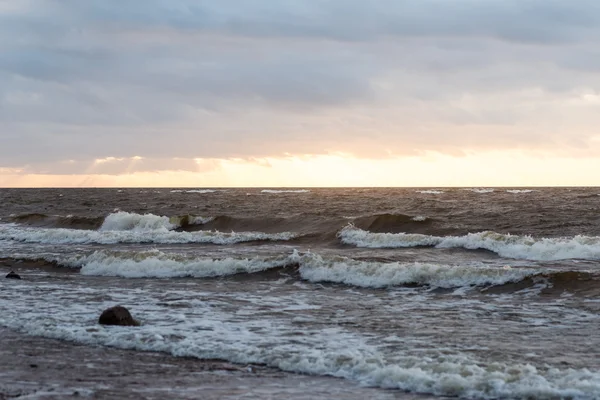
(472, 293)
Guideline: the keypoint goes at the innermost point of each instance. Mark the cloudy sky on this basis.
(299, 92)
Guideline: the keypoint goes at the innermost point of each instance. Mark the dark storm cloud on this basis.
(86, 80)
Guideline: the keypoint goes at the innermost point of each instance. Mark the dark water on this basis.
(474, 293)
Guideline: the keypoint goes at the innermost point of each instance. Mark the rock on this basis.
(117, 315)
(13, 275)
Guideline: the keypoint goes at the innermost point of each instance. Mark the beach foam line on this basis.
(210, 331)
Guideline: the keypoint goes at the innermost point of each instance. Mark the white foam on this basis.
(518, 191)
(158, 236)
(480, 190)
(157, 264)
(208, 328)
(374, 274)
(198, 220)
(430, 191)
(419, 218)
(505, 245)
(361, 238)
(124, 221)
(200, 191)
(273, 191)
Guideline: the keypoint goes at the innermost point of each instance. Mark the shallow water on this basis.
(475, 293)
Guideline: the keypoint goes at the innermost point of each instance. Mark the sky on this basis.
(204, 93)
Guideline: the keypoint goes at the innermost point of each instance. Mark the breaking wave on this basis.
(430, 191)
(160, 235)
(316, 268)
(479, 190)
(505, 245)
(156, 264)
(124, 221)
(373, 274)
(519, 191)
(117, 221)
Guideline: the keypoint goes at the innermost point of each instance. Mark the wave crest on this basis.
(156, 264)
(505, 245)
(124, 221)
(375, 274)
(157, 236)
(393, 223)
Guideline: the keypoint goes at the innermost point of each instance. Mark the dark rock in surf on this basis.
(117, 315)
(12, 275)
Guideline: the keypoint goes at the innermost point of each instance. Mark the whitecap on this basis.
(505, 245)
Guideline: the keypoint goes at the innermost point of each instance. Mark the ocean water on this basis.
(474, 293)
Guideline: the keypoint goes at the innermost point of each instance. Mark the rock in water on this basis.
(117, 315)
(13, 275)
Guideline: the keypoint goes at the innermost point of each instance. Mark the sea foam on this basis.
(157, 264)
(313, 267)
(206, 329)
(159, 233)
(375, 274)
(505, 245)
(125, 221)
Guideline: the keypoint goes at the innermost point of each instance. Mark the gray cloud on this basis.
(204, 79)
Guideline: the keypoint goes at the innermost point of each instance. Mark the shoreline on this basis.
(40, 368)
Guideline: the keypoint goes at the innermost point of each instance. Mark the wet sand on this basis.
(39, 368)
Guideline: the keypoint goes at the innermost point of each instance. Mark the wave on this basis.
(505, 245)
(156, 264)
(209, 331)
(116, 221)
(480, 190)
(161, 235)
(200, 191)
(127, 221)
(393, 223)
(373, 274)
(124, 221)
(519, 191)
(430, 191)
(59, 221)
(306, 223)
(316, 268)
(279, 191)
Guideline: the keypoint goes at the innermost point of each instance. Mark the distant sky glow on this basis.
(299, 93)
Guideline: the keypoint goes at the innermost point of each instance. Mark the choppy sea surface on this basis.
(474, 293)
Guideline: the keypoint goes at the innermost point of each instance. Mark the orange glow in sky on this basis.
(482, 169)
